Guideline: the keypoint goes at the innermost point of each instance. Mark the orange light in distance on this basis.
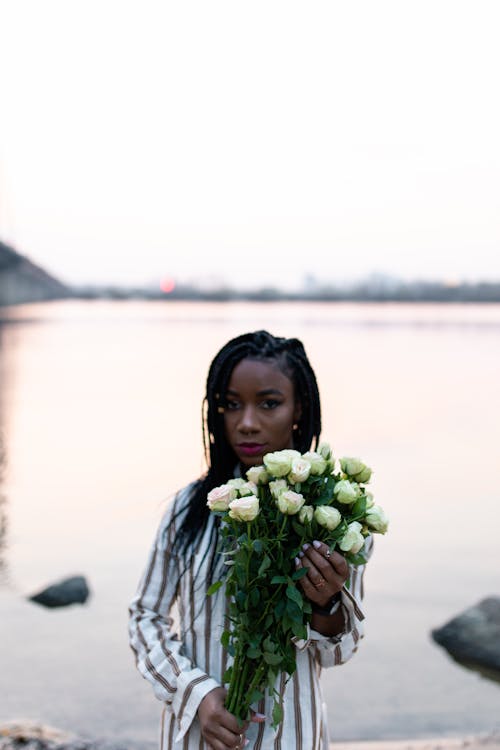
(167, 284)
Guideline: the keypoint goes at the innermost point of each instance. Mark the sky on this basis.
(251, 143)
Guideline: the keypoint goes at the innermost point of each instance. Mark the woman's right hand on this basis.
(220, 729)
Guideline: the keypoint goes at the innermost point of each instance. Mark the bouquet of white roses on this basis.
(266, 518)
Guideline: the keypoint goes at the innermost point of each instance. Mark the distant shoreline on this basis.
(454, 296)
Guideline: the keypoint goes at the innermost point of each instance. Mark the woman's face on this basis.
(259, 410)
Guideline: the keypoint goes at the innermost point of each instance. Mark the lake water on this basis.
(100, 420)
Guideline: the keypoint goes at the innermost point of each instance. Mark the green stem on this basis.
(233, 706)
(233, 681)
(238, 707)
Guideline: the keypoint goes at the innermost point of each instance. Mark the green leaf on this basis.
(298, 574)
(254, 597)
(224, 639)
(286, 624)
(272, 658)
(255, 696)
(293, 611)
(255, 639)
(271, 678)
(299, 630)
(359, 506)
(356, 559)
(269, 644)
(277, 714)
(306, 607)
(214, 587)
(254, 653)
(279, 608)
(295, 595)
(279, 579)
(265, 564)
(298, 528)
(241, 574)
(257, 545)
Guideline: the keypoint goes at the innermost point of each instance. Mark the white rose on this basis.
(318, 463)
(301, 468)
(327, 516)
(346, 492)
(237, 483)
(353, 539)
(351, 465)
(325, 451)
(290, 452)
(220, 497)
(369, 499)
(306, 514)
(278, 464)
(356, 469)
(277, 487)
(258, 474)
(290, 502)
(364, 475)
(250, 488)
(376, 519)
(244, 508)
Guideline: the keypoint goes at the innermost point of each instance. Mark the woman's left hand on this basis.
(327, 572)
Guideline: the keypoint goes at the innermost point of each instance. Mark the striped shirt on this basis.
(185, 663)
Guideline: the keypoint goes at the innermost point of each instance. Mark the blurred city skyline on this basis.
(251, 146)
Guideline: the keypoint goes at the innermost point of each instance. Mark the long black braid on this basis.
(290, 357)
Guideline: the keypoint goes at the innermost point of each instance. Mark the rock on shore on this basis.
(72, 590)
(31, 735)
(473, 637)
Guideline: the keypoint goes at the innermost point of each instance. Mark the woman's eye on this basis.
(270, 403)
(231, 405)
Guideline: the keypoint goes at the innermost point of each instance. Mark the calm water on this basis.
(100, 424)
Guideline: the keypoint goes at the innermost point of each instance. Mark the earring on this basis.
(295, 426)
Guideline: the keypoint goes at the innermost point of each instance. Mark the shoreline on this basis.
(22, 732)
(478, 742)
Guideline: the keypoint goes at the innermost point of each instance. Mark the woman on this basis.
(261, 397)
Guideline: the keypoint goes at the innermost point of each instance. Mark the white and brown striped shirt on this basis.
(184, 666)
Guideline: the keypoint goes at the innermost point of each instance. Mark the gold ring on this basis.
(328, 553)
(320, 583)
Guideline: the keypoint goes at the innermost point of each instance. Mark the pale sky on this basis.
(251, 142)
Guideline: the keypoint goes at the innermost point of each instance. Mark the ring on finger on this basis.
(320, 583)
(328, 553)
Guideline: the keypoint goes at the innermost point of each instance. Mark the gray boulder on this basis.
(31, 735)
(472, 638)
(69, 591)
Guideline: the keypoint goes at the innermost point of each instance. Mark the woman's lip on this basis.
(251, 449)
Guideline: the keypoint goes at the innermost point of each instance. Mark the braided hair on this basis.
(290, 357)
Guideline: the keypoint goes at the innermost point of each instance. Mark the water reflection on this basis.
(3, 527)
(3, 498)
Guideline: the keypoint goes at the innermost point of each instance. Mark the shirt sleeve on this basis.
(157, 648)
(334, 650)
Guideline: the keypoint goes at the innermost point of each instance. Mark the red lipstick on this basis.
(250, 449)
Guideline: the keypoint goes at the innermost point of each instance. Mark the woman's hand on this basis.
(327, 572)
(220, 729)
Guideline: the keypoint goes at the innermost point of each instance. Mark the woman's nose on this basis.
(248, 420)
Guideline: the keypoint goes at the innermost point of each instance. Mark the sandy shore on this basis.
(483, 742)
